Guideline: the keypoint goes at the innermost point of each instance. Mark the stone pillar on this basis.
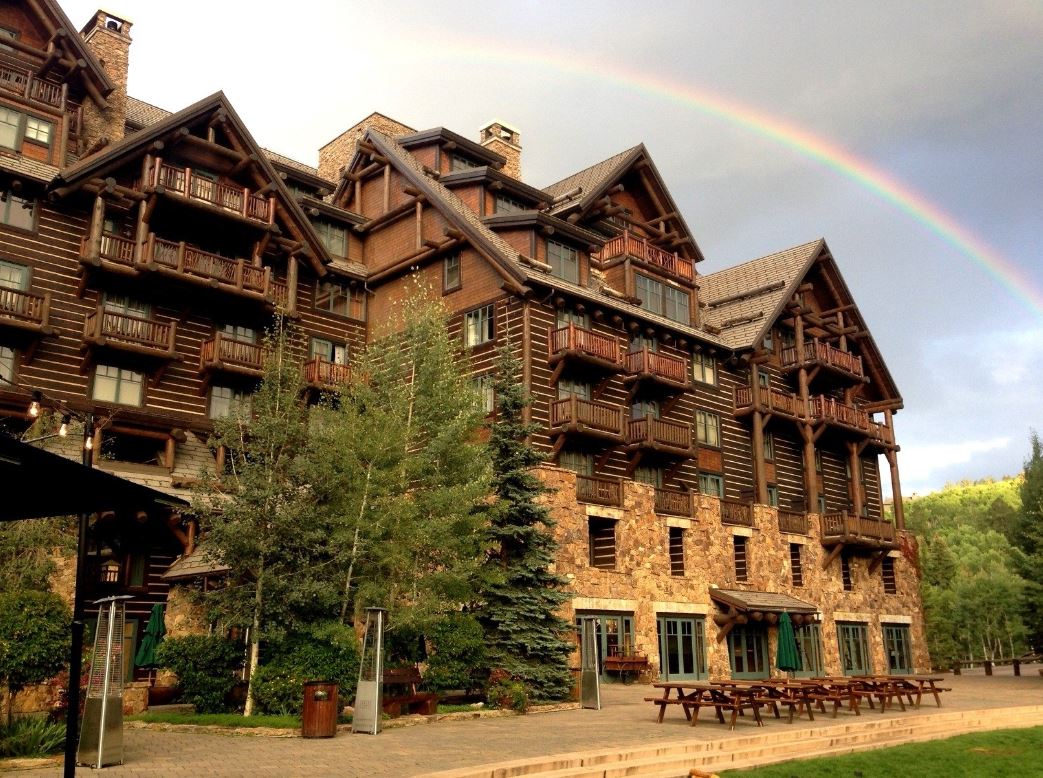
(505, 141)
(108, 38)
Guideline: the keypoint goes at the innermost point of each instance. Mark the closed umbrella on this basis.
(788, 655)
(154, 631)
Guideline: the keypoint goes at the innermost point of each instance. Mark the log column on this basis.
(896, 482)
(806, 431)
(97, 227)
(291, 285)
(856, 482)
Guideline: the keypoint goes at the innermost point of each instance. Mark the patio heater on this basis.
(101, 738)
(369, 694)
(590, 677)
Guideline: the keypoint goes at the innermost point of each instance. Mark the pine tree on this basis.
(1028, 536)
(524, 635)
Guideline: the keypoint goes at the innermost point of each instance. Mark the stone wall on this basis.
(337, 154)
(642, 584)
(108, 38)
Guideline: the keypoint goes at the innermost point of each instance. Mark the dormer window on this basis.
(38, 130)
(563, 260)
(458, 164)
(505, 205)
(333, 237)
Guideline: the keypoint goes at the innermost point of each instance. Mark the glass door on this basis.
(854, 649)
(748, 651)
(809, 647)
(898, 649)
(682, 648)
(614, 635)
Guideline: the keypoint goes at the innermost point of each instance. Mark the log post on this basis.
(291, 285)
(896, 488)
(856, 485)
(810, 476)
(758, 457)
(97, 227)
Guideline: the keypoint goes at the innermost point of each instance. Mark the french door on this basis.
(682, 648)
(809, 647)
(898, 649)
(748, 651)
(854, 649)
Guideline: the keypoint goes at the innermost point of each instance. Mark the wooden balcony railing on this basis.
(783, 403)
(673, 502)
(25, 310)
(116, 248)
(736, 512)
(579, 415)
(657, 433)
(224, 353)
(189, 183)
(23, 83)
(187, 260)
(321, 373)
(585, 343)
(107, 328)
(793, 522)
(599, 489)
(630, 245)
(825, 354)
(856, 530)
(668, 368)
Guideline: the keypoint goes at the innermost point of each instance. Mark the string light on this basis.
(64, 429)
(34, 406)
(88, 442)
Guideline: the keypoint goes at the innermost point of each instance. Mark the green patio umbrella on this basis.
(154, 631)
(788, 656)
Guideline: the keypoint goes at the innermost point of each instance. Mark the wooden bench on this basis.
(404, 698)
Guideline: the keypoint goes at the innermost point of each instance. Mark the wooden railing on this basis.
(817, 351)
(599, 489)
(774, 400)
(584, 341)
(735, 512)
(650, 431)
(147, 334)
(222, 351)
(673, 502)
(117, 249)
(833, 411)
(24, 84)
(589, 413)
(793, 522)
(630, 245)
(322, 372)
(25, 309)
(185, 259)
(234, 199)
(843, 526)
(660, 365)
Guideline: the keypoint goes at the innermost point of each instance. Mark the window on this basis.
(579, 462)
(451, 273)
(789, 338)
(711, 484)
(649, 475)
(708, 428)
(6, 365)
(854, 648)
(38, 130)
(676, 542)
(14, 276)
(602, 539)
(796, 564)
(739, 550)
(763, 379)
(504, 204)
(226, 401)
(125, 306)
(769, 341)
(333, 236)
(567, 316)
(327, 350)
(116, 385)
(887, 572)
(569, 387)
(134, 567)
(769, 447)
(340, 300)
(10, 124)
(898, 648)
(644, 409)
(483, 385)
(862, 471)
(639, 342)
(845, 573)
(821, 504)
(847, 469)
(818, 460)
(17, 211)
(773, 495)
(458, 163)
(479, 326)
(660, 298)
(704, 368)
(563, 261)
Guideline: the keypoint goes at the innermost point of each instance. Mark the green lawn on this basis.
(1011, 752)
(219, 720)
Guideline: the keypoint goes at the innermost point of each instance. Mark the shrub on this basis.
(31, 737)
(34, 637)
(508, 694)
(205, 666)
(458, 657)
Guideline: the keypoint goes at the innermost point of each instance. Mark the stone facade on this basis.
(642, 585)
(335, 155)
(108, 38)
(505, 141)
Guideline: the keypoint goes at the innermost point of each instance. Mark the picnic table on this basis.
(692, 696)
(913, 684)
(775, 692)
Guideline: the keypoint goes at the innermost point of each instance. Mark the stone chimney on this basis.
(505, 140)
(108, 38)
(337, 154)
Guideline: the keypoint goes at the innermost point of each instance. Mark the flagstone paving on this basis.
(625, 720)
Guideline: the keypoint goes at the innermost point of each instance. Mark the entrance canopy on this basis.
(764, 602)
(42, 483)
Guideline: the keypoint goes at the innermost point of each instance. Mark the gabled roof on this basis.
(441, 134)
(55, 19)
(491, 174)
(589, 179)
(142, 114)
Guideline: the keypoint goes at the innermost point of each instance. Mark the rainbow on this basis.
(1009, 275)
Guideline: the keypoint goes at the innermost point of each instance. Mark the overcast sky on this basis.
(945, 97)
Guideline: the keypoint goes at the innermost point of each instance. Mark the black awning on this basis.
(39, 483)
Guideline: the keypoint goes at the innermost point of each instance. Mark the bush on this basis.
(458, 657)
(34, 637)
(327, 652)
(205, 666)
(31, 737)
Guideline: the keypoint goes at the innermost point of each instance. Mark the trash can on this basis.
(319, 716)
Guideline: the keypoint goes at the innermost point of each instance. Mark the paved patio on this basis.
(625, 720)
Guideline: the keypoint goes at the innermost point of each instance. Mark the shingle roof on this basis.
(144, 114)
(198, 563)
(588, 179)
(30, 168)
(770, 602)
(743, 299)
(292, 163)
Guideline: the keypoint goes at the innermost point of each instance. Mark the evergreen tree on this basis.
(1028, 537)
(524, 635)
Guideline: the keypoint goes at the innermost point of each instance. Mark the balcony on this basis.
(793, 522)
(829, 357)
(736, 513)
(320, 373)
(673, 502)
(590, 418)
(630, 245)
(585, 346)
(117, 331)
(857, 531)
(224, 354)
(663, 369)
(189, 184)
(599, 490)
(22, 83)
(25, 311)
(665, 437)
(785, 404)
(826, 410)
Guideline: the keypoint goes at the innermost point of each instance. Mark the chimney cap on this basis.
(108, 20)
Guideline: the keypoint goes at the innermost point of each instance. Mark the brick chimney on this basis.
(108, 38)
(505, 140)
(337, 154)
